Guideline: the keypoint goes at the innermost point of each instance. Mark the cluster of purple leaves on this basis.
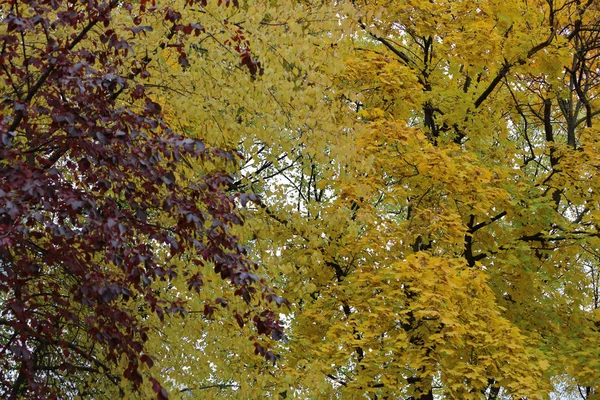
(87, 173)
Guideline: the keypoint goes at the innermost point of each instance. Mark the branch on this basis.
(42, 79)
(484, 224)
(337, 380)
(216, 386)
(387, 44)
(501, 74)
(587, 117)
(507, 66)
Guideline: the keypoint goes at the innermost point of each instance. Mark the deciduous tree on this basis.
(97, 201)
(420, 182)
(430, 207)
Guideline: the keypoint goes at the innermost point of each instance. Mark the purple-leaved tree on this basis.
(88, 177)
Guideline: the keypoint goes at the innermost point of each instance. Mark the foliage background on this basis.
(428, 196)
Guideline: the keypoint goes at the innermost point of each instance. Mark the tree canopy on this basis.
(300, 199)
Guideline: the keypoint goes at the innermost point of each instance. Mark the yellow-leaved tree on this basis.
(426, 176)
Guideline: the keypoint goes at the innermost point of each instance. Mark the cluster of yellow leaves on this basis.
(407, 215)
(429, 315)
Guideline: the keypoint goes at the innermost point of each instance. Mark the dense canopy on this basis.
(300, 199)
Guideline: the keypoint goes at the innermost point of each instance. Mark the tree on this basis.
(423, 177)
(99, 204)
(429, 207)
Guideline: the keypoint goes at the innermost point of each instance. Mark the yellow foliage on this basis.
(409, 192)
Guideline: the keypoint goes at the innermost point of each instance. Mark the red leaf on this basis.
(239, 319)
(162, 395)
